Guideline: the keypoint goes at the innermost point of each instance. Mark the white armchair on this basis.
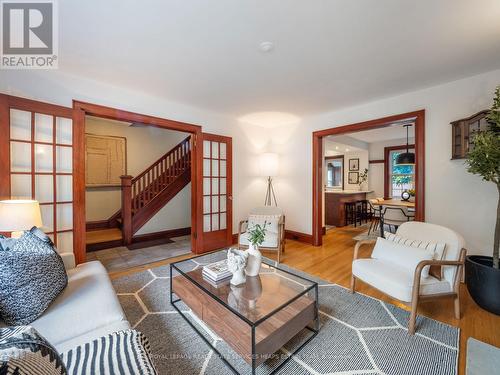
(402, 270)
(275, 229)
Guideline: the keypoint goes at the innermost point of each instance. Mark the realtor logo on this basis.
(29, 34)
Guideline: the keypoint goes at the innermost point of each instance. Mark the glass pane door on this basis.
(41, 154)
(216, 189)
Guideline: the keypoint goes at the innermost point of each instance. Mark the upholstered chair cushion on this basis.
(437, 234)
(436, 248)
(404, 256)
(270, 222)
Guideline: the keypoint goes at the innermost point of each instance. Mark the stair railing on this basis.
(138, 191)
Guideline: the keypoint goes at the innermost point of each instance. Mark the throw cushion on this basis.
(24, 351)
(437, 248)
(404, 256)
(271, 222)
(6, 242)
(120, 353)
(32, 275)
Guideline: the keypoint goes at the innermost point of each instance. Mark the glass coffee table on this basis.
(255, 319)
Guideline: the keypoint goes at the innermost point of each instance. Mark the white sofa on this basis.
(88, 308)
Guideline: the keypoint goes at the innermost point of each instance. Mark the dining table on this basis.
(390, 203)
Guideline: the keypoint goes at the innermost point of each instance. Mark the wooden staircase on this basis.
(144, 195)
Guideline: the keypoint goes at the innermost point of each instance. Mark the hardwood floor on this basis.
(332, 262)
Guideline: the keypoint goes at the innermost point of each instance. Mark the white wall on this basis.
(376, 171)
(363, 163)
(453, 197)
(145, 145)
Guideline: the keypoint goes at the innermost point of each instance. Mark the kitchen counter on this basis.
(335, 201)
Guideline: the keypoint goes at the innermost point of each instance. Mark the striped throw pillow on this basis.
(119, 353)
(437, 248)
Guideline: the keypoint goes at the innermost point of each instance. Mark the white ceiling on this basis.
(328, 53)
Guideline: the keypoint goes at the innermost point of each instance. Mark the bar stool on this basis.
(350, 213)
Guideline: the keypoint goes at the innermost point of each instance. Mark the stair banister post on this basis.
(126, 209)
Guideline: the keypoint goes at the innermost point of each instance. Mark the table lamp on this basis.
(269, 165)
(16, 216)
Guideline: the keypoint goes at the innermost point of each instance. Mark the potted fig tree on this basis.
(482, 272)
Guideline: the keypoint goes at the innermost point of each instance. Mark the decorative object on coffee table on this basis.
(236, 262)
(482, 273)
(256, 236)
(287, 305)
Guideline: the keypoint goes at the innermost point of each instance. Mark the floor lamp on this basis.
(269, 165)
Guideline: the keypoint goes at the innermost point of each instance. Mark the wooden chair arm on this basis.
(420, 266)
(240, 226)
(359, 244)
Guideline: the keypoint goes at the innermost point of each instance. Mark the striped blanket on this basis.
(120, 353)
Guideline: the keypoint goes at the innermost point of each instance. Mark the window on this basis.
(402, 177)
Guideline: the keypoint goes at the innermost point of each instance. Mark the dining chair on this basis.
(376, 212)
(396, 216)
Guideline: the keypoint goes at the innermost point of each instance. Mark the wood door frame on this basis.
(387, 152)
(82, 109)
(336, 157)
(317, 150)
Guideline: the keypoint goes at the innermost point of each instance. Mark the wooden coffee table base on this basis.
(256, 341)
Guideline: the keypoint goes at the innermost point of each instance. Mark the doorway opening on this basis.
(342, 191)
(142, 195)
(116, 156)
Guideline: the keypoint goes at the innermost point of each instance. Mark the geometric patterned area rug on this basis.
(359, 334)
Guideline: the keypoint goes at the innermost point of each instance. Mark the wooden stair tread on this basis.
(104, 235)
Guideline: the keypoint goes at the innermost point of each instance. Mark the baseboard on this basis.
(298, 236)
(170, 233)
(290, 235)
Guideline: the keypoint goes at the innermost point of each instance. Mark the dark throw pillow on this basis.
(6, 242)
(32, 275)
(24, 351)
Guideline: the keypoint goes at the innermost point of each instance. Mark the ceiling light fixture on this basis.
(406, 158)
(266, 46)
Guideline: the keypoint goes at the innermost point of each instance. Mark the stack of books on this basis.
(217, 272)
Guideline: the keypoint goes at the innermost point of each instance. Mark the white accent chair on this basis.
(411, 287)
(275, 229)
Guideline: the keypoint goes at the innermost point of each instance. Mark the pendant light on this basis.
(406, 158)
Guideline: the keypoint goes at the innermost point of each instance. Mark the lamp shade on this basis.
(269, 164)
(19, 215)
(405, 158)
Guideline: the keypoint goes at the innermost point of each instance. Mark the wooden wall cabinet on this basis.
(463, 132)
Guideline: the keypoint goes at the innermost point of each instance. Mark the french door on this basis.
(215, 185)
(36, 162)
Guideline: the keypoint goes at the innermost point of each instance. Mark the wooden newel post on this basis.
(127, 209)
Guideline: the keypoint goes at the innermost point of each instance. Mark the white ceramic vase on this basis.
(254, 261)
